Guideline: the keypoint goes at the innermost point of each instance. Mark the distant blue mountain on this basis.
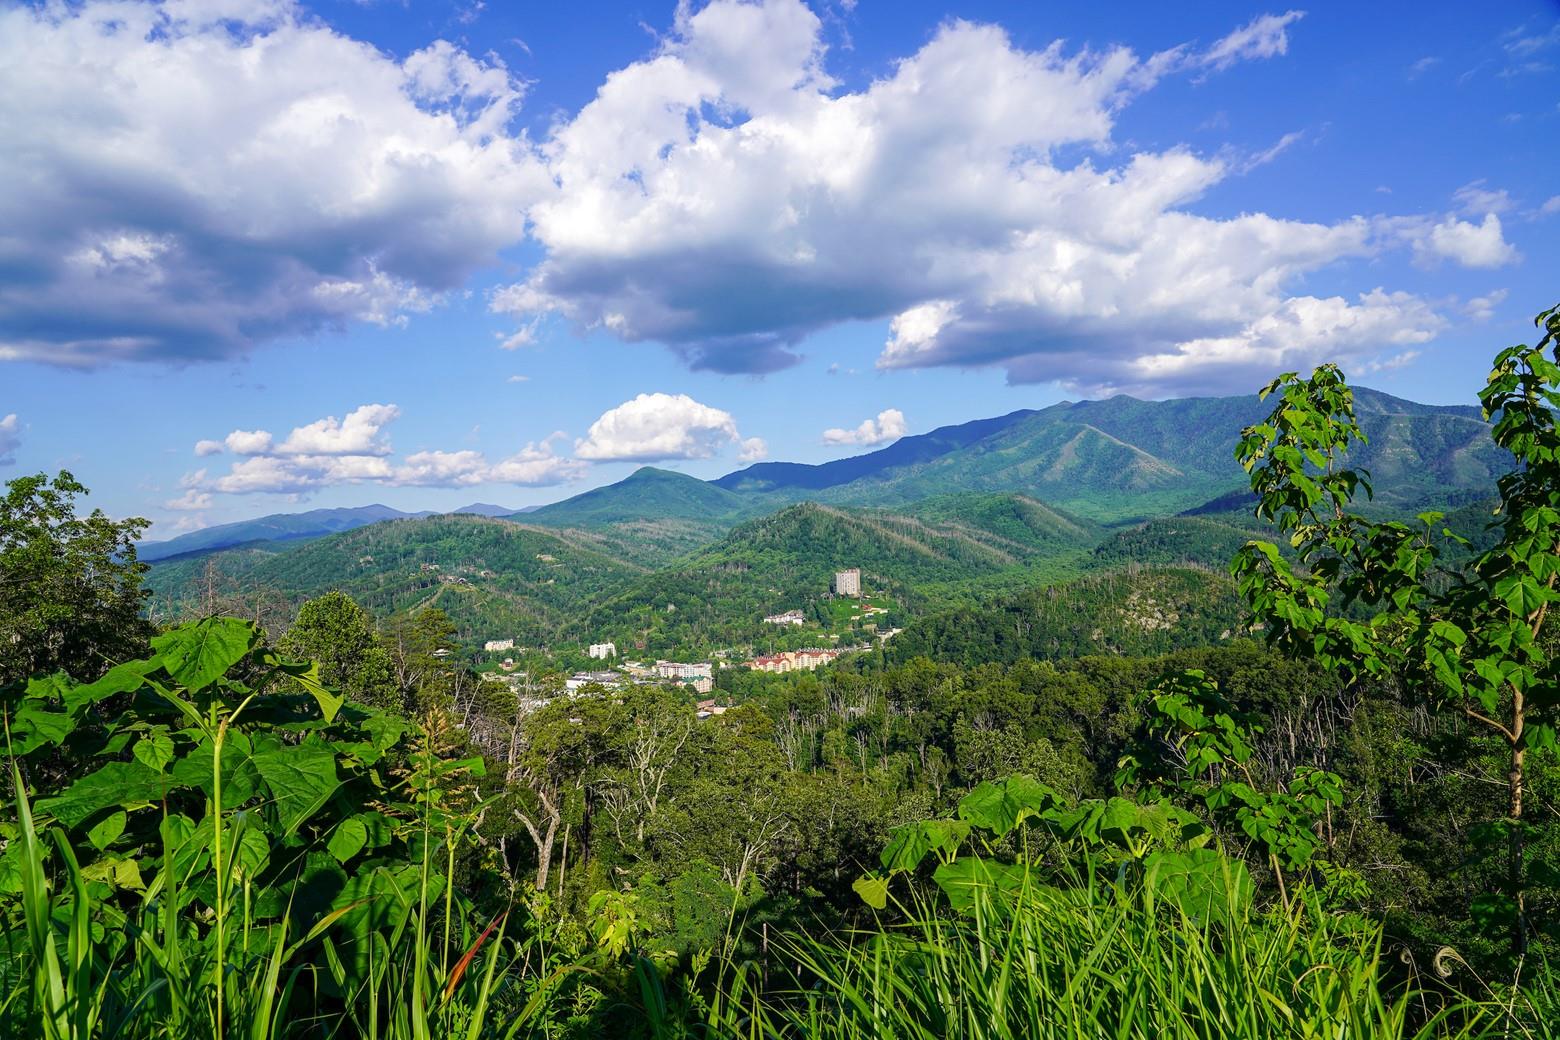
(907, 451)
(290, 527)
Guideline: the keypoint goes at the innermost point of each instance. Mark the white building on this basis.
(580, 679)
(848, 583)
(790, 617)
(684, 671)
(493, 646)
(602, 651)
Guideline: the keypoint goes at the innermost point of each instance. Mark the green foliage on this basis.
(71, 596)
(339, 635)
(490, 577)
(718, 596)
(1136, 611)
(1207, 745)
(1367, 597)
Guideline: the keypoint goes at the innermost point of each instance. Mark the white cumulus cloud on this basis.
(888, 426)
(360, 433)
(1469, 244)
(1482, 308)
(535, 465)
(654, 427)
(355, 450)
(212, 176)
(192, 500)
(725, 198)
(10, 439)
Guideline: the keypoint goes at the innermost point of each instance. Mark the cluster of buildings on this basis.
(700, 676)
(611, 680)
(790, 617)
(793, 660)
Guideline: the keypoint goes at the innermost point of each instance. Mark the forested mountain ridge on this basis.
(1114, 460)
(288, 527)
(1133, 611)
(786, 560)
(974, 511)
(486, 574)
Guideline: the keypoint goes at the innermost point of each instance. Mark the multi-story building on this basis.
(602, 651)
(790, 617)
(684, 670)
(848, 583)
(793, 661)
(582, 679)
(493, 646)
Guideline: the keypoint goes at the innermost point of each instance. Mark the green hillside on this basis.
(1125, 459)
(1202, 541)
(719, 595)
(495, 578)
(1112, 461)
(647, 493)
(1136, 610)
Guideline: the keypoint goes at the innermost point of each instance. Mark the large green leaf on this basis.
(969, 879)
(1002, 805)
(155, 750)
(103, 833)
(307, 675)
(240, 781)
(126, 784)
(1202, 883)
(300, 777)
(32, 727)
(872, 890)
(198, 654)
(909, 844)
(122, 678)
(348, 839)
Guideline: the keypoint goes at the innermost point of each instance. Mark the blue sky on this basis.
(265, 256)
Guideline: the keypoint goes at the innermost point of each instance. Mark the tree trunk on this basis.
(544, 854)
(1514, 871)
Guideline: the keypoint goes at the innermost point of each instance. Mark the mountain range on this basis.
(1114, 461)
(949, 517)
(289, 527)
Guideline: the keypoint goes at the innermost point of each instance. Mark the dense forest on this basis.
(1291, 772)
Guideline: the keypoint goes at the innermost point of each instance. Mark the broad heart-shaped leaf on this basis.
(348, 839)
(300, 777)
(155, 750)
(126, 784)
(11, 870)
(872, 890)
(198, 654)
(1202, 883)
(115, 871)
(971, 878)
(1122, 821)
(240, 781)
(380, 899)
(1003, 805)
(122, 678)
(32, 727)
(1522, 595)
(909, 844)
(103, 833)
(307, 675)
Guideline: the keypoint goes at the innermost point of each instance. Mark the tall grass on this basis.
(1087, 961)
(82, 968)
(1074, 964)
